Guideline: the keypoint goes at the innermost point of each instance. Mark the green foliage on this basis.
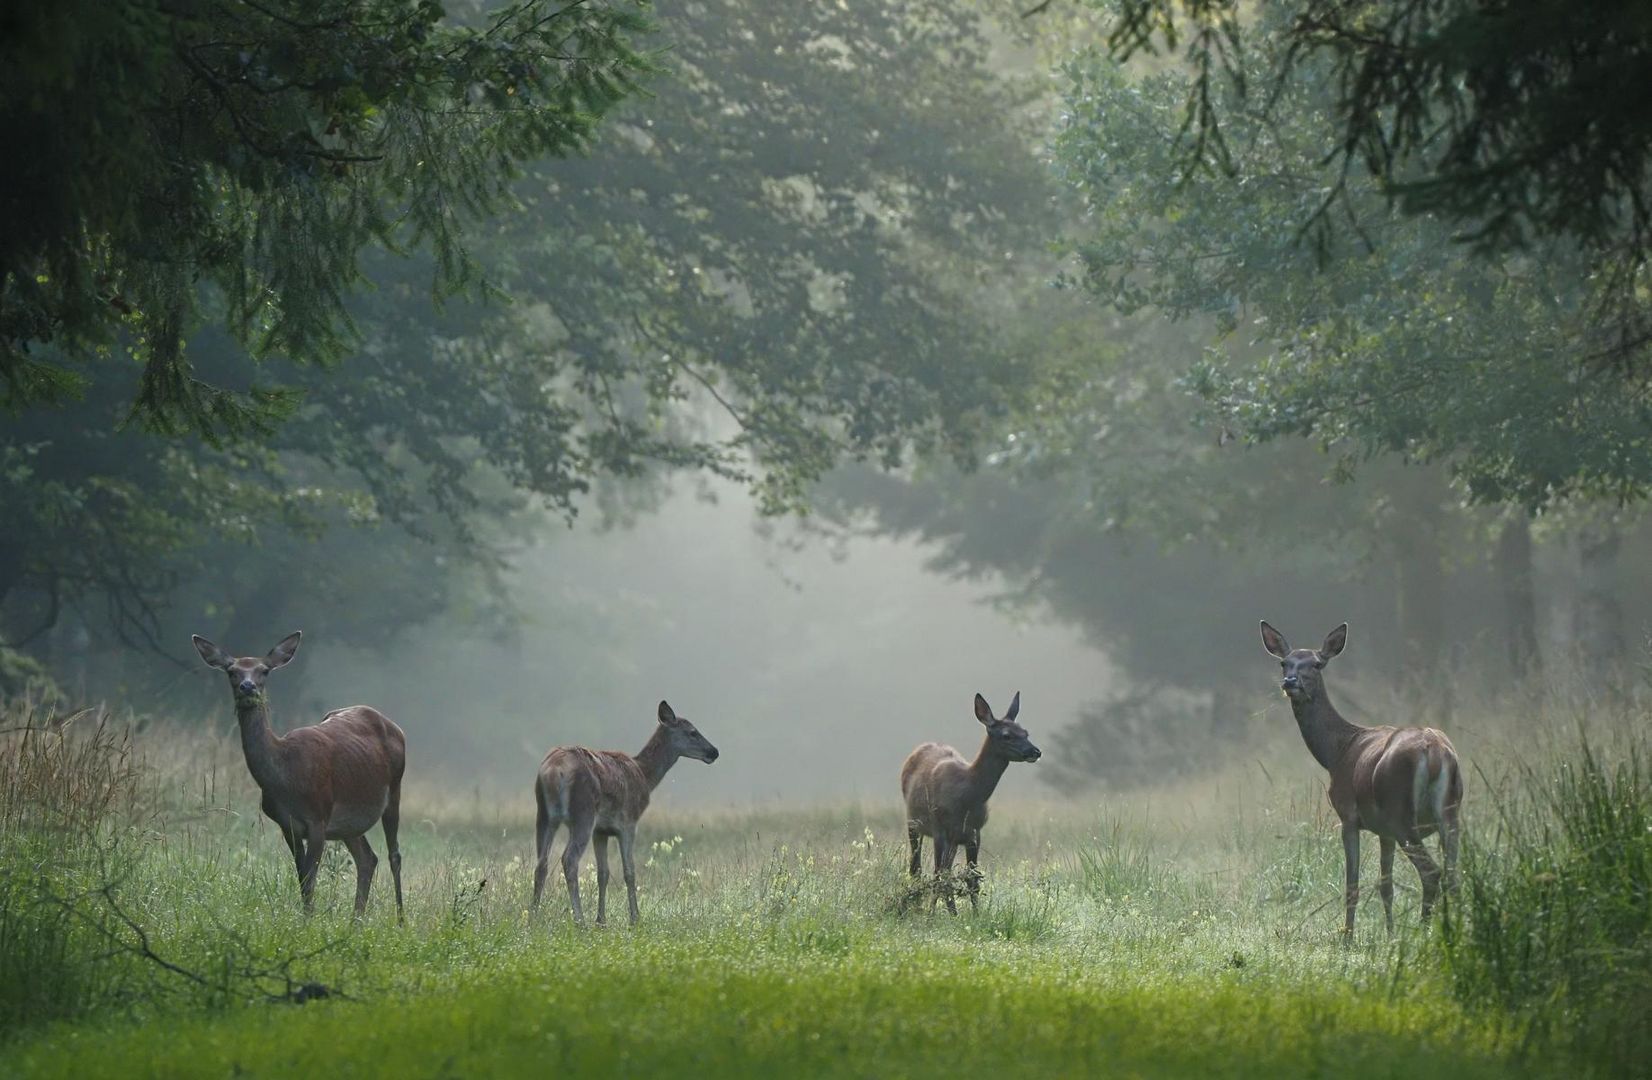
(1402, 343)
(1097, 964)
(249, 153)
(1506, 119)
(1555, 923)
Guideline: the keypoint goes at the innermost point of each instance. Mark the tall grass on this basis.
(69, 792)
(1554, 926)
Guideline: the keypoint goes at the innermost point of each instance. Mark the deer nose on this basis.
(712, 756)
(248, 686)
(1291, 683)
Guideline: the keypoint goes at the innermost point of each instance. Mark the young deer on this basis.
(330, 781)
(1401, 783)
(602, 793)
(946, 796)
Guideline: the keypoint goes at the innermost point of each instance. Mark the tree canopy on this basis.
(227, 163)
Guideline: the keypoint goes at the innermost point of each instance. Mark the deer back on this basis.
(575, 782)
(1397, 780)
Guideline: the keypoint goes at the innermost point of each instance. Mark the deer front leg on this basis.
(316, 844)
(600, 848)
(915, 840)
(628, 867)
(972, 856)
(1385, 885)
(1350, 892)
(945, 852)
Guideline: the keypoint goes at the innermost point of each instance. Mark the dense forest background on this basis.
(815, 366)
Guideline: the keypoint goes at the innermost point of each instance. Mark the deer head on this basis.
(1008, 737)
(1302, 667)
(685, 738)
(247, 673)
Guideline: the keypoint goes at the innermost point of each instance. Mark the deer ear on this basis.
(284, 652)
(1334, 642)
(666, 715)
(1015, 707)
(1274, 642)
(983, 711)
(212, 654)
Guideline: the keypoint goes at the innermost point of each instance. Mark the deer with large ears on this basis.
(330, 781)
(600, 794)
(1401, 783)
(946, 795)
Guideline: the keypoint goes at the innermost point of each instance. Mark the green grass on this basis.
(1189, 933)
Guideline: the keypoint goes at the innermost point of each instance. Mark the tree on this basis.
(236, 158)
(1407, 343)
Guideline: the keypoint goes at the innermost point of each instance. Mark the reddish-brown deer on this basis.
(602, 793)
(946, 795)
(1401, 783)
(329, 781)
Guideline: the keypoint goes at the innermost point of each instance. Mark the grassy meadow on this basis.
(150, 926)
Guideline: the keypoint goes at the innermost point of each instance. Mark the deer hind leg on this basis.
(628, 866)
(392, 823)
(1350, 890)
(544, 832)
(915, 840)
(600, 849)
(1426, 869)
(579, 835)
(366, 864)
(1386, 884)
(972, 856)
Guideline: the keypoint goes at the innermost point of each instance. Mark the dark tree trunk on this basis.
(1512, 565)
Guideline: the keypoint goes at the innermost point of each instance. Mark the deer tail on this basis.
(1433, 783)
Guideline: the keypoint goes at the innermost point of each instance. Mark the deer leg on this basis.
(916, 840)
(313, 848)
(1386, 884)
(600, 849)
(1426, 869)
(544, 832)
(1350, 891)
(579, 834)
(945, 852)
(972, 856)
(366, 864)
(392, 823)
(628, 866)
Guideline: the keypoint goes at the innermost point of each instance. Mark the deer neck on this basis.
(1325, 731)
(656, 757)
(986, 770)
(258, 740)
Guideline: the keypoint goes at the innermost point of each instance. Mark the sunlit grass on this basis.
(1167, 935)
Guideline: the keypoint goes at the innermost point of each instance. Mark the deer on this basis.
(329, 781)
(946, 795)
(600, 794)
(1400, 783)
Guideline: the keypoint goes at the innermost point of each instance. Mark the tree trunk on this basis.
(1512, 565)
(1597, 617)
